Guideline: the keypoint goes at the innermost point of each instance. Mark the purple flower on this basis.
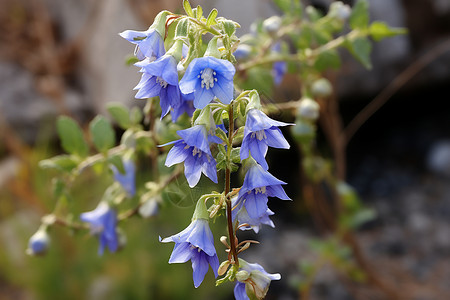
(240, 212)
(39, 242)
(148, 43)
(279, 68)
(195, 243)
(127, 180)
(103, 221)
(260, 132)
(208, 77)
(193, 150)
(252, 280)
(239, 291)
(186, 106)
(160, 78)
(258, 185)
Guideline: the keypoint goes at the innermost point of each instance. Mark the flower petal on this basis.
(275, 139)
(223, 89)
(182, 252)
(199, 266)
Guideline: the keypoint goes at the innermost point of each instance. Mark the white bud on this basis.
(340, 11)
(38, 243)
(321, 88)
(149, 208)
(308, 109)
(272, 24)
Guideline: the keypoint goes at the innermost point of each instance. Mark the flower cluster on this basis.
(183, 84)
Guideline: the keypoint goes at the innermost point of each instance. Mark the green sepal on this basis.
(212, 49)
(159, 24)
(206, 118)
(182, 28)
(71, 135)
(254, 102)
(102, 133)
(201, 211)
(176, 50)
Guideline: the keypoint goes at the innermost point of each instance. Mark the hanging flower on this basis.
(240, 213)
(196, 243)
(260, 132)
(148, 43)
(208, 77)
(193, 150)
(126, 180)
(103, 221)
(252, 280)
(160, 78)
(258, 185)
(279, 68)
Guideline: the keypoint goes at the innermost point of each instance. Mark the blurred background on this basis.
(65, 57)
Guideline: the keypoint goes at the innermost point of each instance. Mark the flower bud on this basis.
(242, 52)
(321, 88)
(242, 275)
(39, 242)
(150, 207)
(308, 109)
(340, 11)
(272, 24)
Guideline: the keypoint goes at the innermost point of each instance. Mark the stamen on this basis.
(261, 190)
(161, 82)
(207, 76)
(260, 135)
(197, 151)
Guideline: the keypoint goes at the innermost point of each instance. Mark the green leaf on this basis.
(131, 60)
(235, 155)
(65, 163)
(136, 115)
(380, 30)
(361, 48)
(187, 8)
(116, 160)
(289, 6)
(327, 59)
(103, 135)
(229, 27)
(211, 17)
(199, 12)
(284, 5)
(359, 19)
(120, 114)
(71, 135)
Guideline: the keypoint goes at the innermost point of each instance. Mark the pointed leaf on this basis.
(102, 134)
(120, 114)
(361, 48)
(71, 135)
(359, 19)
(187, 8)
(380, 30)
(211, 17)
